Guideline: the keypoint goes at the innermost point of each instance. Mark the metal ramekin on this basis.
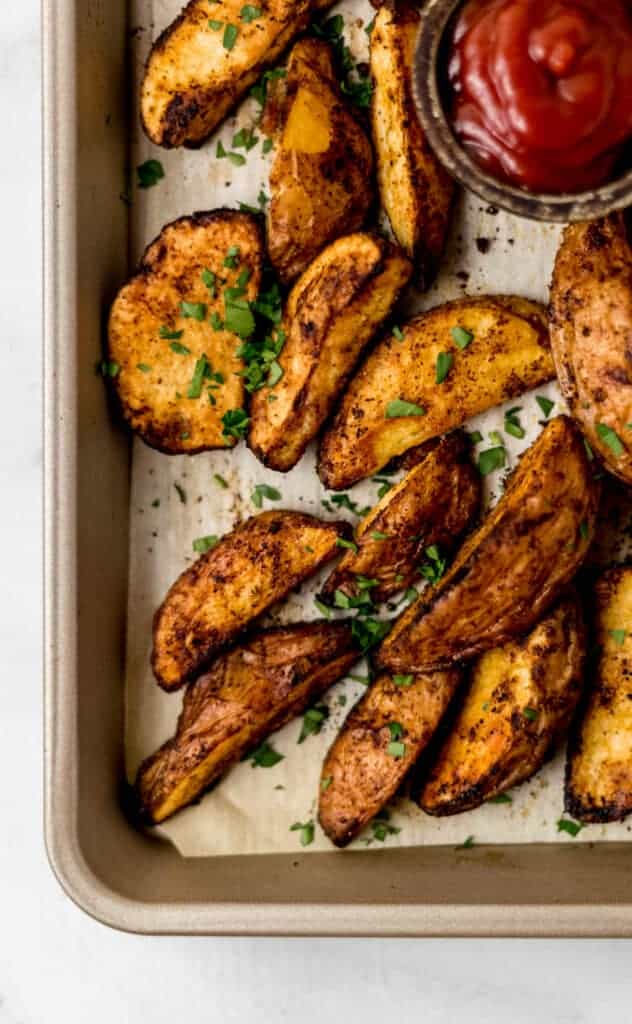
(566, 207)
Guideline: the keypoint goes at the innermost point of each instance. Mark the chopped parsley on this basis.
(397, 333)
(109, 368)
(322, 608)
(179, 349)
(265, 756)
(381, 827)
(369, 632)
(476, 437)
(354, 83)
(618, 635)
(203, 544)
(512, 424)
(193, 310)
(444, 365)
(467, 845)
(306, 830)
(378, 535)
(399, 407)
(530, 713)
(573, 828)
(406, 680)
(235, 423)
(230, 36)
(611, 438)
(545, 404)
(396, 749)
(434, 568)
(262, 491)
(237, 159)
(260, 90)
(219, 480)
(349, 544)
(169, 335)
(326, 783)
(461, 337)
(500, 798)
(143, 367)
(150, 173)
(313, 721)
(491, 459)
(250, 13)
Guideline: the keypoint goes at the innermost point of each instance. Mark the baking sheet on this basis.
(176, 499)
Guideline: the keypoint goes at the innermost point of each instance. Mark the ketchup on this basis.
(542, 89)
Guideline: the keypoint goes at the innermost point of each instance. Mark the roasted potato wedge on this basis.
(333, 310)
(513, 567)
(321, 176)
(506, 352)
(599, 769)
(591, 328)
(415, 190)
(366, 763)
(520, 701)
(247, 694)
(177, 375)
(229, 586)
(434, 504)
(193, 79)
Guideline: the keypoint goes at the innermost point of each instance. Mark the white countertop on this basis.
(56, 965)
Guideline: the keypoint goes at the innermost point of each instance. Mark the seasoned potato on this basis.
(321, 177)
(415, 190)
(229, 586)
(177, 374)
(513, 567)
(591, 328)
(519, 702)
(599, 769)
(433, 505)
(194, 77)
(247, 693)
(332, 312)
(381, 739)
(499, 349)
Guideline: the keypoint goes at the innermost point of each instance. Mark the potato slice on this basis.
(591, 328)
(379, 742)
(247, 694)
(320, 180)
(506, 352)
(332, 312)
(513, 567)
(177, 374)
(194, 76)
(519, 702)
(599, 769)
(434, 504)
(415, 190)
(226, 588)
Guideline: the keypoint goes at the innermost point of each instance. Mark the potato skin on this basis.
(251, 568)
(321, 176)
(247, 694)
(508, 354)
(599, 767)
(333, 310)
(192, 82)
(591, 328)
(435, 503)
(364, 775)
(151, 374)
(415, 190)
(519, 702)
(510, 570)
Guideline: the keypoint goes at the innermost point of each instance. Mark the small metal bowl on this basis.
(427, 89)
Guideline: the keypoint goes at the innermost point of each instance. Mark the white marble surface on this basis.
(56, 965)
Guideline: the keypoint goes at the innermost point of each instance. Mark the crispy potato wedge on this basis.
(520, 701)
(591, 328)
(415, 190)
(599, 768)
(321, 176)
(193, 79)
(247, 694)
(177, 375)
(513, 567)
(333, 310)
(366, 765)
(250, 569)
(434, 504)
(508, 353)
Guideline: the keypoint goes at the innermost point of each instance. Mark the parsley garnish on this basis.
(378, 535)
(150, 173)
(545, 404)
(230, 36)
(381, 828)
(313, 721)
(202, 544)
(369, 632)
(342, 543)
(193, 310)
(322, 608)
(143, 367)
(353, 82)
(618, 635)
(235, 423)
(512, 423)
(491, 459)
(434, 568)
(530, 713)
(406, 680)
(461, 337)
(399, 407)
(398, 333)
(306, 830)
(611, 438)
(170, 335)
(567, 825)
(109, 368)
(262, 491)
(260, 90)
(444, 365)
(326, 783)
(500, 798)
(179, 349)
(265, 756)
(467, 845)
(250, 13)
(219, 480)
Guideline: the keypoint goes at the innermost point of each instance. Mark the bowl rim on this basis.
(556, 207)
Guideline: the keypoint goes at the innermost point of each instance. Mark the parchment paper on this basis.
(252, 809)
